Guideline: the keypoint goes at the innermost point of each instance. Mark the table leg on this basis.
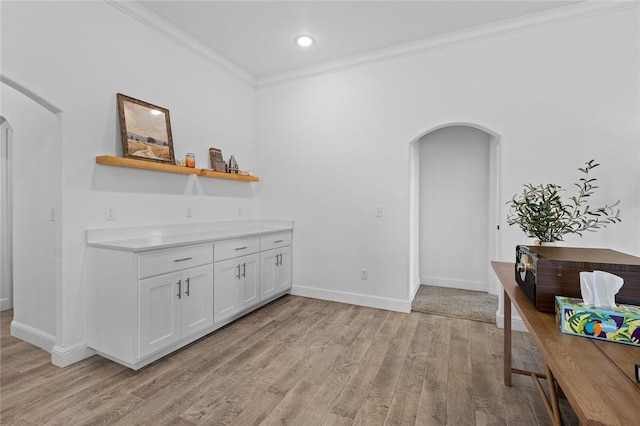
(553, 396)
(507, 339)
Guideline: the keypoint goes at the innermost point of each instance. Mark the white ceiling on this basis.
(258, 36)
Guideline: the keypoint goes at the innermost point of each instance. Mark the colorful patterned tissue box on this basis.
(621, 325)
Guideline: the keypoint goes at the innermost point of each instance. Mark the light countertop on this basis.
(140, 239)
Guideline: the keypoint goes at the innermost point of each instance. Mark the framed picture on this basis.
(145, 130)
(217, 162)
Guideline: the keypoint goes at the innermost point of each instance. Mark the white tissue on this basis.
(599, 288)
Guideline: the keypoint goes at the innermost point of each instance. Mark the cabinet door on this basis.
(275, 272)
(236, 284)
(159, 313)
(283, 278)
(249, 281)
(226, 278)
(197, 299)
(268, 268)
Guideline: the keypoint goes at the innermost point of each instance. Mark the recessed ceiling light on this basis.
(304, 41)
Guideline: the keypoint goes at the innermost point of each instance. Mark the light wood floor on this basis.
(297, 361)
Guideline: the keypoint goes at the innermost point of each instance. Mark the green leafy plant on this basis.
(542, 214)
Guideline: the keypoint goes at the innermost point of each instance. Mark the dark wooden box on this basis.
(546, 272)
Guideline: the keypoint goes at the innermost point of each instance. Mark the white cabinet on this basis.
(236, 286)
(144, 305)
(197, 299)
(236, 277)
(275, 264)
(159, 310)
(174, 306)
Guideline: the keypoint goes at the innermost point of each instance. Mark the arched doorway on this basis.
(35, 212)
(455, 206)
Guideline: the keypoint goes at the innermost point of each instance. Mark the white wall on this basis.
(78, 55)
(6, 245)
(454, 208)
(558, 95)
(36, 146)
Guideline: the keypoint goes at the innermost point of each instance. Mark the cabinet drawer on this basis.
(268, 242)
(235, 248)
(163, 262)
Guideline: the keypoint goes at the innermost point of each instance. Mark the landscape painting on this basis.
(145, 130)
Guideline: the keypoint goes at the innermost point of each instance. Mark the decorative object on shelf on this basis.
(542, 214)
(145, 130)
(190, 160)
(233, 165)
(217, 162)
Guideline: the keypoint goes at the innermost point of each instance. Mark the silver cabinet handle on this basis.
(188, 286)
(244, 269)
(238, 274)
(277, 260)
(278, 241)
(241, 248)
(183, 259)
(179, 289)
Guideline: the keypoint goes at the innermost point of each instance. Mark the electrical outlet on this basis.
(378, 211)
(189, 212)
(52, 213)
(239, 211)
(364, 274)
(109, 213)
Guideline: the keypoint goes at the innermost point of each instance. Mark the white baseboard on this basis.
(6, 304)
(453, 283)
(414, 292)
(62, 357)
(353, 298)
(32, 335)
(516, 322)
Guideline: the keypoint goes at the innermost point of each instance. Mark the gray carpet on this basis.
(452, 302)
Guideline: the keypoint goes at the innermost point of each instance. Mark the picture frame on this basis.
(145, 130)
(217, 161)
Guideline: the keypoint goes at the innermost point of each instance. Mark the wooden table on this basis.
(597, 377)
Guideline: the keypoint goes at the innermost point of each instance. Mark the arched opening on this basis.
(34, 206)
(454, 207)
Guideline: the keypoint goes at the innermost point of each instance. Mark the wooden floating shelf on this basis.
(110, 160)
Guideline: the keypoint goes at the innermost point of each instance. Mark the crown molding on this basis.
(528, 22)
(167, 29)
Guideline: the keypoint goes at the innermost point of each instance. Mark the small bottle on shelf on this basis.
(190, 160)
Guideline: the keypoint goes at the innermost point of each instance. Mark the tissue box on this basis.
(621, 325)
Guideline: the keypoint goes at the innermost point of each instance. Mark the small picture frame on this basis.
(145, 130)
(217, 162)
